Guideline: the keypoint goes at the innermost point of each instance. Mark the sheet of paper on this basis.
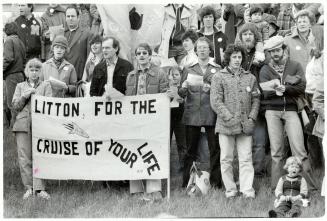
(57, 84)
(194, 80)
(174, 102)
(56, 30)
(269, 85)
(113, 92)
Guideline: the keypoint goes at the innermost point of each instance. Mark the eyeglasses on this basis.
(143, 53)
(202, 47)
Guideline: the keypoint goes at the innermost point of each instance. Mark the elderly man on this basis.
(249, 37)
(78, 41)
(288, 83)
(112, 70)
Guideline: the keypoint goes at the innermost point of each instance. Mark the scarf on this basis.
(58, 62)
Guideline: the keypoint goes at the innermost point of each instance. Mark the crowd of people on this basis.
(255, 85)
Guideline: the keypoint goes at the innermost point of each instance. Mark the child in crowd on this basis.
(22, 128)
(256, 18)
(291, 191)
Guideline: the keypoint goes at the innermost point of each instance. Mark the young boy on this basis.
(256, 18)
(290, 191)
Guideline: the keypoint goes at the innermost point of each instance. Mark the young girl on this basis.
(22, 127)
(290, 190)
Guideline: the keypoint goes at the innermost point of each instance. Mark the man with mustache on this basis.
(281, 108)
(249, 37)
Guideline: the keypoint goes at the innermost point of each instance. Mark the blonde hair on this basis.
(34, 62)
(293, 160)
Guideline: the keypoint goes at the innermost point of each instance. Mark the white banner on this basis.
(95, 139)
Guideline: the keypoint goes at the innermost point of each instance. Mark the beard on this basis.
(249, 44)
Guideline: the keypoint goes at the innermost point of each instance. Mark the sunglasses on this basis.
(143, 53)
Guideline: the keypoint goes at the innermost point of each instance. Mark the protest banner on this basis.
(94, 139)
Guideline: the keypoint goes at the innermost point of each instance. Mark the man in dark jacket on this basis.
(29, 31)
(13, 66)
(288, 83)
(111, 71)
(78, 41)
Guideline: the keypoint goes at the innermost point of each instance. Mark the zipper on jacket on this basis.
(284, 103)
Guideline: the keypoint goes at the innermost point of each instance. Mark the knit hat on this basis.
(274, 42)
(270, 19)
(60, 40)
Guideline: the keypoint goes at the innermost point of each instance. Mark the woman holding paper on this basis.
(235, 98)
(195, 90)
(22, 127)
(58, 71)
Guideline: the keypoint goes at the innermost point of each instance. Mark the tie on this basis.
(141, 88)
(178, 19)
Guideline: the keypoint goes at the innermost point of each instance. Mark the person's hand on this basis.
(28, 92)
(170, 93)
(276, 83)
(283, 198)
(206, 87)
(180, 100)
(280, 88)
(185, 84)
(295, 198)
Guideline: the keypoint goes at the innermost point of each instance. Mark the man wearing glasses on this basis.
(146, 79)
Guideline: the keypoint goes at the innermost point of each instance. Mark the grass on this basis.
(82, 199)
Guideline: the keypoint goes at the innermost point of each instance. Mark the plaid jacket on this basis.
(285, 22)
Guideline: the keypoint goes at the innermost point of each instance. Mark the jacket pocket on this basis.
(231, 122)
(248, 126)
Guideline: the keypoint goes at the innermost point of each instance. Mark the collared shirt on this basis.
(141, 85)
(110, 70)
(72, 32)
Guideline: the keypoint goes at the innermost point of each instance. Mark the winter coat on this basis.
(23, 106)
(298, 48)
(79, 49)
(219, 44)
(287, 102)
(13, 56)
(235, 99)
(197, 109)
(230, 18)
(99, 79)
(318, 102)
(156, 81)
(66, 73)
(29, 31)
(189, 19)
(48, 19)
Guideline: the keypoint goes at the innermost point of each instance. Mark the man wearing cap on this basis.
(59, 68)
(78, 41)
(287, 78)
(29, 31)
(272, 22)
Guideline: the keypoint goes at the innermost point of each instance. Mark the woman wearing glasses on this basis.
(146, 79)
(195, 90)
